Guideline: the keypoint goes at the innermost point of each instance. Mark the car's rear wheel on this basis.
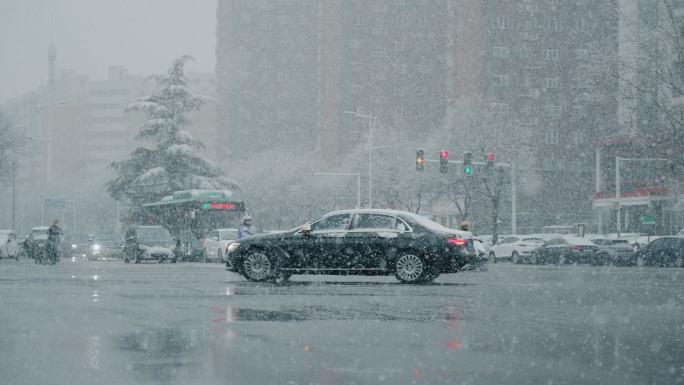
(640, 261)
(675, 261)
(257, 266)
(220, 255)
(534, 258)
(411, 268)
(515, 257)
(561, 260)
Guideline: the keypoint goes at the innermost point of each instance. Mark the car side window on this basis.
(333, 222)
(374, 222)
(508, 240)
(214, 236)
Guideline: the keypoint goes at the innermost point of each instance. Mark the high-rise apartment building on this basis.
(288, 70)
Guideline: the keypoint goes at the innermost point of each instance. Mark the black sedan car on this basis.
(567, 249)
(359, 242)
(664, 251)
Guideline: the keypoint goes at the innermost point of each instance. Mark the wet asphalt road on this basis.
(107, 322)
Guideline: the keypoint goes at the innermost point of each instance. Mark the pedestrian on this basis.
(246, 229)
(465, 226)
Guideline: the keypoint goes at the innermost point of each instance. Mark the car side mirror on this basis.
(401, 228)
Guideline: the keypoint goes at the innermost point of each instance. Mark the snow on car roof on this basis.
(579, 241)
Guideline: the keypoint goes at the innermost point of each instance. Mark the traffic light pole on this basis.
(514, 220)
(358, 182)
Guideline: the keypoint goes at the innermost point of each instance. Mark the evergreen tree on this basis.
(170, 165)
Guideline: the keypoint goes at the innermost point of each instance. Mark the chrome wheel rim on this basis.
(678, 262)
(640, 261)
(257, 266)
(515, 258)
(409, 267)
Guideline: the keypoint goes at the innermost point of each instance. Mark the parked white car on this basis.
(9, 246)
(216, 242)
(517, 248)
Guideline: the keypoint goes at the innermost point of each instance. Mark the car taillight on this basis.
(457, 241)
(576, 248)
(634, 245)
(596, 249)
(522, 244)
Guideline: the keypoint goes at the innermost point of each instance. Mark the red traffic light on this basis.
(444, 154)
(491, 157)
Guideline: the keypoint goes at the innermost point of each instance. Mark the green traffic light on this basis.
(205, 206)
(467, 170)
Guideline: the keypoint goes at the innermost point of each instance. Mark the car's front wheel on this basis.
(411, 268)
(220, 255)
(257, 266)
(492, 257)
(515, 257)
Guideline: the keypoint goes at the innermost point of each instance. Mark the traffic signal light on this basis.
(419, 160)
(467, 163)
(444, 161)
(490, 159)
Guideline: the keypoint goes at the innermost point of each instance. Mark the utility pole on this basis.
(358, 182)
(370, 149)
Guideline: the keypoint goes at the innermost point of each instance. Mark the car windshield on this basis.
(80, 238)
(535, 240)
(228, 234)
(40, 234)
(108, 237)
(153, 233)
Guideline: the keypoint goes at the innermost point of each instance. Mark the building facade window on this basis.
(356, 89)
(581, 54)
(499, 108)
(551, 136)
(552, 54)
(502, 22)
(501, 52)
(553, 83)
(553, 110)
(552, 24)
(501, 80)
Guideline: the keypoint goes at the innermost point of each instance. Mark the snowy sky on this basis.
(90, 35)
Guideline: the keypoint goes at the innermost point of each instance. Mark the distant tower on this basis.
(52, 55)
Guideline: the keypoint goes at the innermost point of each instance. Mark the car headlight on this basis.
(74, 246)
(231, 247)
(96, 247)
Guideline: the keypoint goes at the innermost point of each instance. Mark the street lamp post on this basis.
(42, 198)
(49, 157)
(370, 149)
(14, 188)
(49, 133)
(358, 182)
